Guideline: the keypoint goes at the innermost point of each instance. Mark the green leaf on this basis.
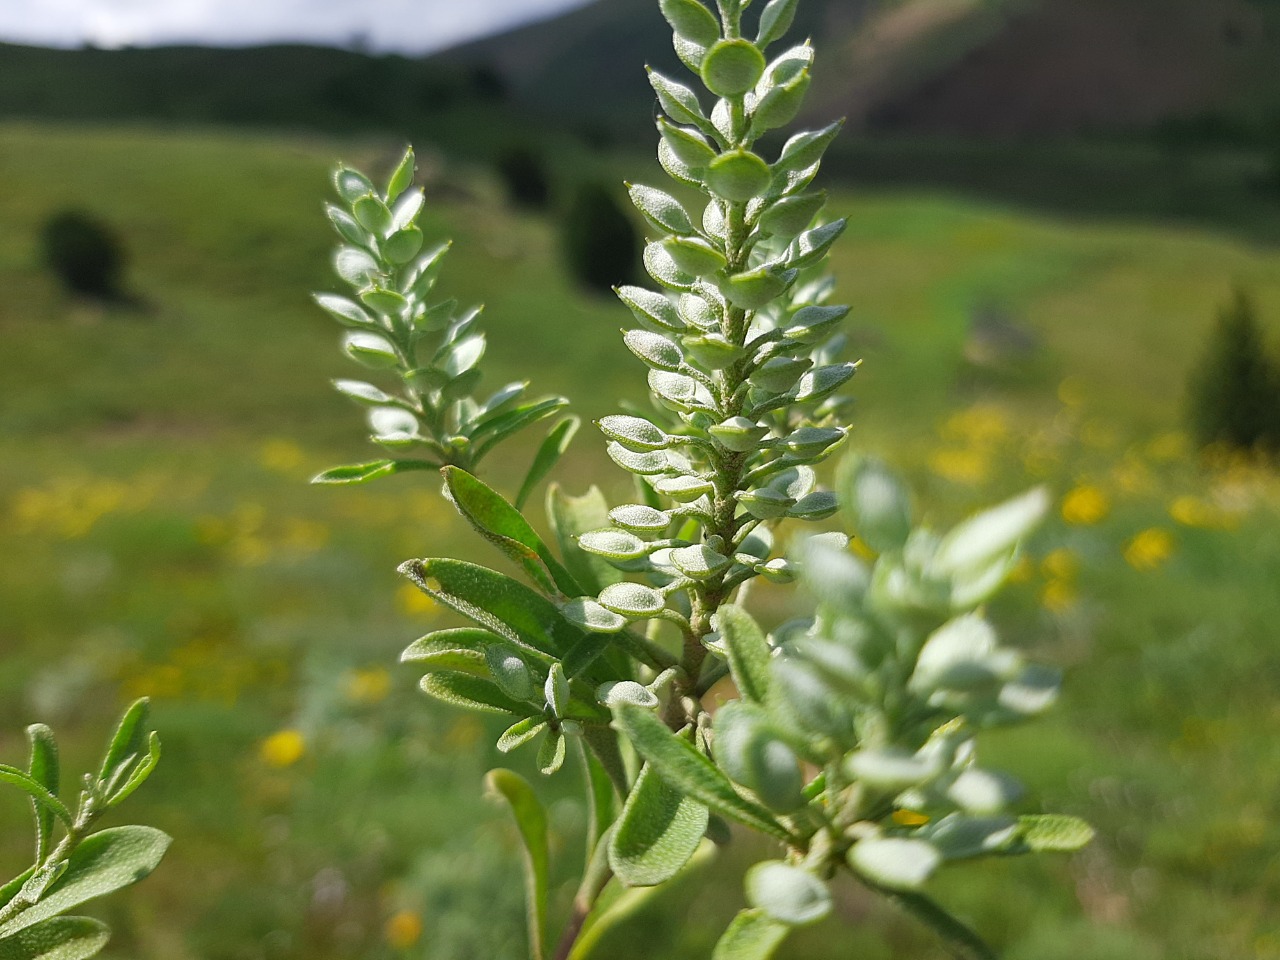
(749, 652)
(128, 740)
(45, 770)
(552, 752)
(520, 733)
(549, 454)
(787, 893)
(103, 863)
(961, 941)
(632, 600)
(981, 539)
(1054, 832)
(661, 209)
(461, 650)
(652, 309)
(364, 472)
(351, 184)
(570, 517)
(347, 312)
(531, 821)
(61, 938)
(686, 145)
(748, 750)
(790, 216)
(10, 889)
(894, 862)
(775, 20)
(498, 428)
(402, 179)
(753, 935)
(502, 525)
(37, 791)
(691, 21)
(683, 767)
(370, 350)
(679, 102)
(657, 834)
(471, 693)
(139, 773)
(496, 602)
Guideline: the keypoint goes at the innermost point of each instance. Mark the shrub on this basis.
(601, 246)
(85, 254)
(1235, 390)
(524, 174)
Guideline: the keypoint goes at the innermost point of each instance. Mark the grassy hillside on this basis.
(157, 536)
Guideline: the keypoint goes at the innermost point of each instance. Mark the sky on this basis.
(409, 26)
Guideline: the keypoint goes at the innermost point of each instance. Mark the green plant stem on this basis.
(85, 817)
(961, 942)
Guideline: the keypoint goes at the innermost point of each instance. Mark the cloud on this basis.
(411, 26)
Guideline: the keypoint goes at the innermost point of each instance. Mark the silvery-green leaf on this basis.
(805, 150)
(643, 464)
(355, 266)
(461, 650)
(370, 350)
(654, 349)
(657, 833)
(679, 102)
(878, 504)
(101, 864)
(778, 570)
(392, 424)
(346, 225)
(625, 691)
(759, 543)
(633, 600)
(509, 672)
(364, 472)
(714, 223)
(754, 289)
(812, 245)
(652, 309)
(614, 544)
(683, 489)
(551, 753)
(520, 733)
(588, 614)
(1032, 691)
(891, 769)
(351, 184)
(59, 938)
(372, 214)
(780, 374)
(699, 562)
(810, 325)
(788, 894)
(470, 693)
(739, 434)
(775, 20)
(556, 690)
(347, 312)
(699, 312)
(753, 935)
(788, 217)
(983, 792)
(362, 393)
(634, 433)
(691, 20)
(692, 256)
(676, 168)
(712, 351)
(808, 700)
(402, 177)
(893, 862)
(1057, 833)
(404, 212)
(815, 506)
(957, 656)
(687, 145)
(732, 67)
(661, 209)
(570, 517)
(531, 821)
(640, 518)
(958, 837)
(662, 267)
(779, 104)
(822, 382)
(814, 442)
(738, 175)
(766, 503)
(988, 535)
(403, 245)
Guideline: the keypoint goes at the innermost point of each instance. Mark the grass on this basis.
(158, 536)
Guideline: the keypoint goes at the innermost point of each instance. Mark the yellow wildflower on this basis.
(961, 466)
(1149, 549)
(283, 748)
(412, 602)
(368, 686)
(403, 929)
(981, 425)
(1073, 392)
(1058, 596)
(1086, 505)
(1061, 564)
(909, 818)
(1194, 512)
(1168, 447)
(281, 456)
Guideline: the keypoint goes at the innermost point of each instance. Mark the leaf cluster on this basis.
(74, 863)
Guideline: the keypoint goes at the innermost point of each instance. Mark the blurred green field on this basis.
(158, 537)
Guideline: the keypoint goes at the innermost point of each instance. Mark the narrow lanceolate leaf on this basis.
(1057, 833)
(496, 602)
(101, 864)
(570, 517)
(138, 772)
(471, 693)
(684, 768)
(531, 821)
(657, 834)
(44, 769)
(129, 737)
(61, 938)
(461, 650)
(749, 652)
(502, 525)
(513, 421)
(364, 472)
(753, 935)
(549, 454)
(37, 791)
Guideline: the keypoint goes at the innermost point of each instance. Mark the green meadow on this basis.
(158, 537)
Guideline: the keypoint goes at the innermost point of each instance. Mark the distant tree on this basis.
(524, 174)
(1235, 391)
(84, 253)
(488, 84)
(601, 245)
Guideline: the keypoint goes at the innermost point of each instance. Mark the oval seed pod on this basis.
(509, 672)
(732, 67)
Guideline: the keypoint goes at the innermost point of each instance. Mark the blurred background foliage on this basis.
(1051, 203)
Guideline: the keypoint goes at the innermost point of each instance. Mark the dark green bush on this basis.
(524, 174)
(601, 245)
(84, 253)
(1235, 391)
